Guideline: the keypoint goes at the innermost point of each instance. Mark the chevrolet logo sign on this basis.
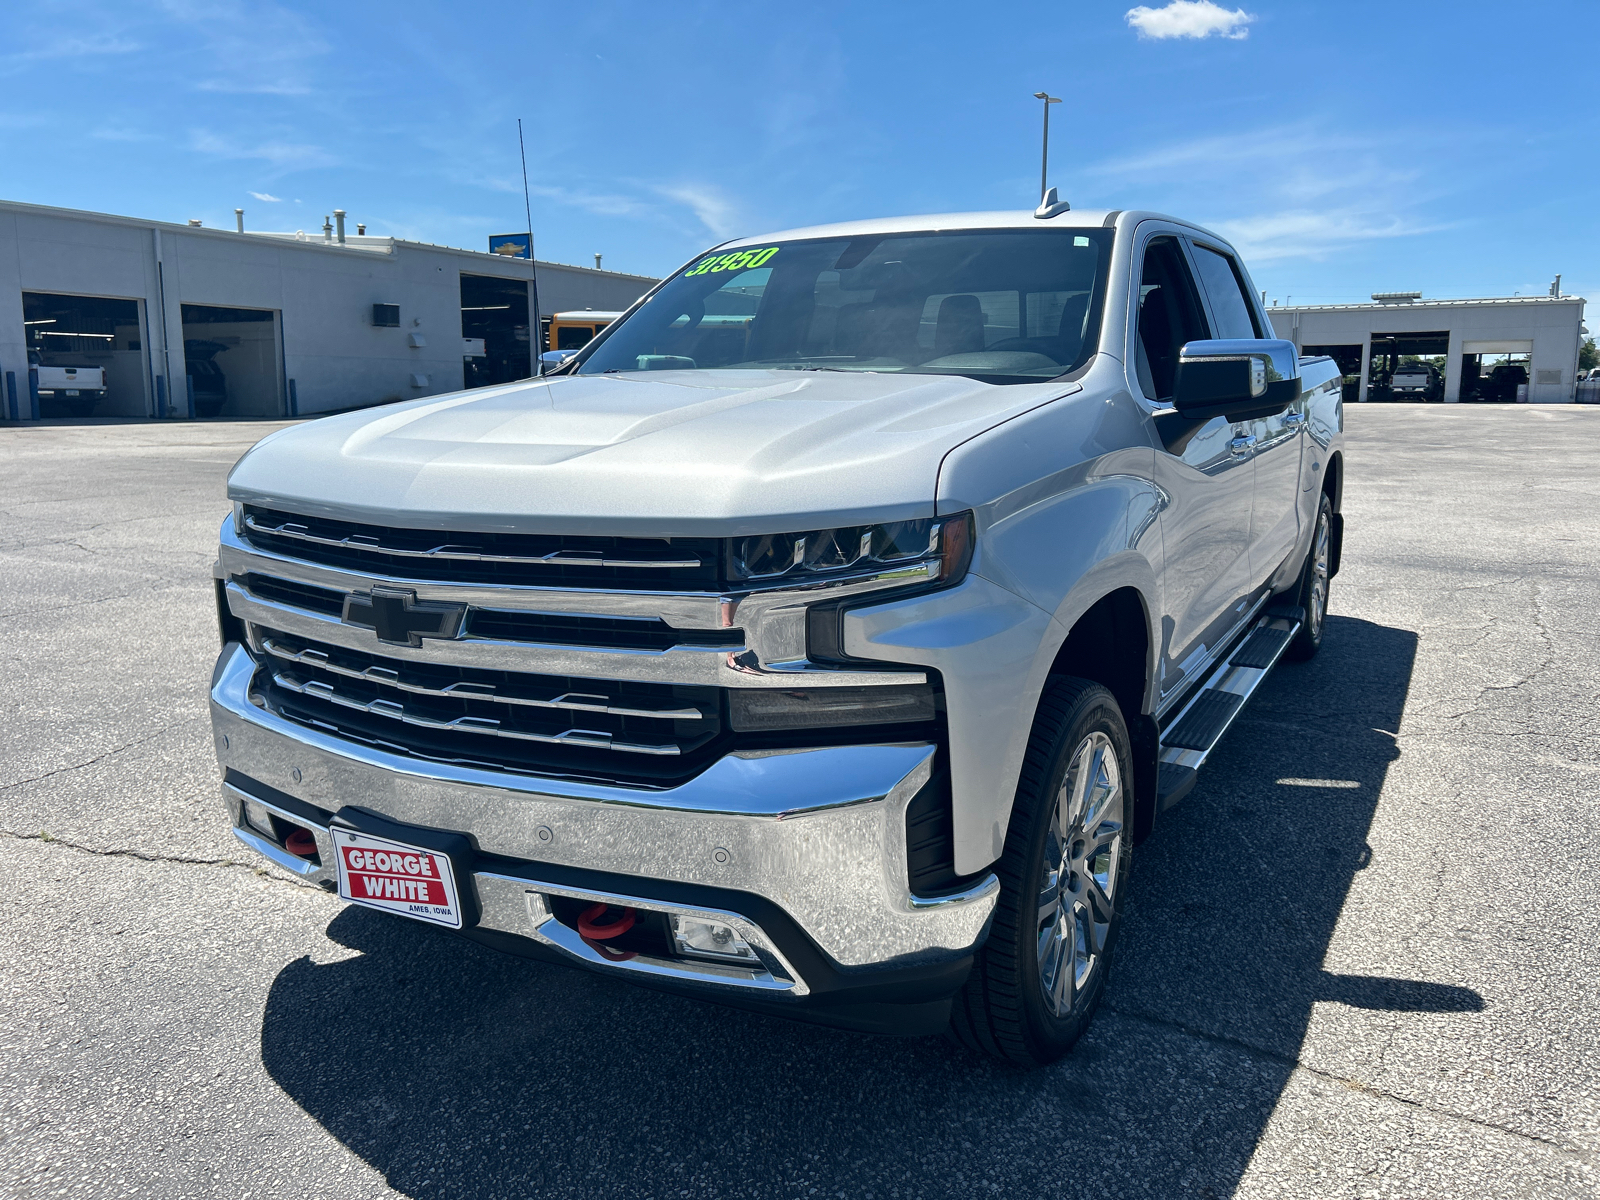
(398, 617)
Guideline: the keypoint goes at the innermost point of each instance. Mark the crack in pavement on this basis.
(50, 839)
(1535, 609)
(79, 766)
(33, 612)
(1295, 1063)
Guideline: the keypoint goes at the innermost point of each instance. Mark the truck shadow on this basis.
(456, 1071)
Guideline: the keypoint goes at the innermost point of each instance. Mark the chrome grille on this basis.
(505, 720)
(539, 560)
(554, 629)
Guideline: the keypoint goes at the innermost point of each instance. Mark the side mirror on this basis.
(554, 358)
(1237, 378)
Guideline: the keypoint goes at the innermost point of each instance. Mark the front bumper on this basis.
(804, 849)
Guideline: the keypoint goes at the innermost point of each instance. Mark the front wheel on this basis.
(1039, 977)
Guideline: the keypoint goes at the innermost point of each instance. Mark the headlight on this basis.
(931, 548)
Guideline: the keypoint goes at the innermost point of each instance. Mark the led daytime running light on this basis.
(856, 548)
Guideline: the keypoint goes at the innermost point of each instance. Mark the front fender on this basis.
(993, 649)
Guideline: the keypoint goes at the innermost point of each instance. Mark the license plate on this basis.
(72, 391)
(396, 877)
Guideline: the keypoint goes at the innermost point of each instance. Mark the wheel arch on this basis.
(1111, 643)
(1333, 489)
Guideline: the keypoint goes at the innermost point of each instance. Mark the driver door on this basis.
(1204, 467)
(1275, 510)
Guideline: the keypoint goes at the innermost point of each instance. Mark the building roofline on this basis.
(1408, 306)
(289, 239)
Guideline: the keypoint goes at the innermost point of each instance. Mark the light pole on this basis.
(1044, 167)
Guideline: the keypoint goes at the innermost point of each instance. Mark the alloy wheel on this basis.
(1082, 863)
(1319, 575)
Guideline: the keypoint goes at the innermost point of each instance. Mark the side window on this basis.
(1234, 315)
(1169, 316)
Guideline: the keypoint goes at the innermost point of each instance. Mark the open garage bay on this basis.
(1359, 961)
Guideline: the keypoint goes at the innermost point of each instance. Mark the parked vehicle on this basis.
(1417, 381)
(1499, 386)
(574, 330)
(830, 662)
(73, 390)
(207, 384)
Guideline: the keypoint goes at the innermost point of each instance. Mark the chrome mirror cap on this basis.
(1237, 378)
(1279, 359)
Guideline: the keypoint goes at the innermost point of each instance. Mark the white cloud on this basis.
(267, 198)
(1302, 190)
(257, 47)
(715, 211)
(1305, 233)
(1190, 19)
(606, 204)
(289, 156)
(77, 47)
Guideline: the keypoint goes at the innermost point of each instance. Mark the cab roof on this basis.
(1088, 218)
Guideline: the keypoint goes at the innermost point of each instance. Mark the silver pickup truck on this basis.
(820, 639)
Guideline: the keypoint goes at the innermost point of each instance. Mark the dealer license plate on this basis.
(72, 391)
(397, 878)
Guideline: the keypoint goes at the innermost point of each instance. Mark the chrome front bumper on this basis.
(820, 833)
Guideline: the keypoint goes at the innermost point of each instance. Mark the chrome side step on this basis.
(1191, 735)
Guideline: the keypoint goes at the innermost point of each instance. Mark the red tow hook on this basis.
(300, 843)
(596, 935)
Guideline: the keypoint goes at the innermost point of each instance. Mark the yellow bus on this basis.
(574, 330)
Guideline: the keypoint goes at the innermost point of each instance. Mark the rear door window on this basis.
(1233, 315)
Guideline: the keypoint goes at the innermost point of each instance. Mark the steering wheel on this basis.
(695, 310)
(1030, 345)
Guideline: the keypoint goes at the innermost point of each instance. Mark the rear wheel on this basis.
(1312, 594)
(1039, 977)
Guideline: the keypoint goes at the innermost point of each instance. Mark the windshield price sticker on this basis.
(397, 878)
(739, 260)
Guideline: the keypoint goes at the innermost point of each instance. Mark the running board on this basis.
(1190, 737)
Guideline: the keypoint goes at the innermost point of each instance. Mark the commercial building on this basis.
(1481, 349)
(189, 321)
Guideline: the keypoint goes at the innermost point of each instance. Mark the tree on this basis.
(1588, 356)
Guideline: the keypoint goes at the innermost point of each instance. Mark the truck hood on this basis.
(679, 453)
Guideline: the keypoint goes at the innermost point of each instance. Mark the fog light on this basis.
(754, 709)
(695, 938)
(258, 818)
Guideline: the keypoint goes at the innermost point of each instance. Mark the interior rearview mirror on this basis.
(1237, 378)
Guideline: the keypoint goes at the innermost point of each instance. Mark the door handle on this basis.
(1242, 445)
(1294, 418)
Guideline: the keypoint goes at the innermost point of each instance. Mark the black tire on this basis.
(1311, 593)
(1009, 1007)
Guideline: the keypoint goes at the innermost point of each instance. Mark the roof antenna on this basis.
(536, 329)
(1050, 204)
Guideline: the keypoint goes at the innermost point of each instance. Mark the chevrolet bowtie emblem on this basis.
(398, 617)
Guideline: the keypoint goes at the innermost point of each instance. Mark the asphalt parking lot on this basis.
(1360, 959)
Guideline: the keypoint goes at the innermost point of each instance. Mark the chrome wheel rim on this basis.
(1082, 863)
(1319, 576)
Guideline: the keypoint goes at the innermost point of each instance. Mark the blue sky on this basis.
(1346, 147)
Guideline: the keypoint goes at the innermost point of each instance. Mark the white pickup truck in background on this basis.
(75, 389)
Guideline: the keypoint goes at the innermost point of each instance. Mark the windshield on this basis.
(1006, 306)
